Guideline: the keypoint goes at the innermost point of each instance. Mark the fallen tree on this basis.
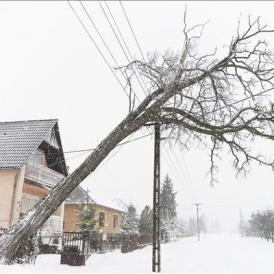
(220, 101)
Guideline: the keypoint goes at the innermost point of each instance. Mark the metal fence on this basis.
(78, 246)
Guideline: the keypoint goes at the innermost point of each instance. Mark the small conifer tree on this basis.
(86, 216)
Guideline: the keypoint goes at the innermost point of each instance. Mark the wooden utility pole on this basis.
(198, 220)
(156, 250)
(241, 223)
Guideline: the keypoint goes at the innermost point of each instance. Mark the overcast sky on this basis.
(50, 69)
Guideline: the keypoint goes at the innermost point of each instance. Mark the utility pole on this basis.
(241, 223)
(156, 250)
(198, 220)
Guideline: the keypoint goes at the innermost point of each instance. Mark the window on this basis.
(115, 221)
(27, 204)
(102, 217)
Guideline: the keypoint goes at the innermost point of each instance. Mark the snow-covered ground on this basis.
(214, 253)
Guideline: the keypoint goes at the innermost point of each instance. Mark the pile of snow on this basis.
(214, 253)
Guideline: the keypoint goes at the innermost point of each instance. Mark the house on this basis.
(108, 217)
(31, 163)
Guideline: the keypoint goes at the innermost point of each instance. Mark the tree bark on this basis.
(12, 243)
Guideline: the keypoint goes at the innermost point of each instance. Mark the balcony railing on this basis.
(41, 174)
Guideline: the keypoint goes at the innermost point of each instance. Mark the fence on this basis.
(132, 242)
(78, 246)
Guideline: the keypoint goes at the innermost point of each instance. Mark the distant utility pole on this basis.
(156, 250)
(198, 220)
(241, 223)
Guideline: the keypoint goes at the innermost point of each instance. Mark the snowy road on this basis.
(214, 253)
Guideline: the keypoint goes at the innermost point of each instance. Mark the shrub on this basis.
(48, 249)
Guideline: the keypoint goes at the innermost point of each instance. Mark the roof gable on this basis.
(19, 139)
(79, 196)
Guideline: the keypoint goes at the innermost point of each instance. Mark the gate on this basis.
(75, 248)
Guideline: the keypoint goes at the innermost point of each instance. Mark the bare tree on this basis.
(219, 101)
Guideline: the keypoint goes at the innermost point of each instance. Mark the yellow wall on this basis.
(71, 218)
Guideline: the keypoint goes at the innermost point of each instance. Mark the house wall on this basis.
(11, 183)
(39, 192)
(108, 228)
(39, 156)
(71, 218)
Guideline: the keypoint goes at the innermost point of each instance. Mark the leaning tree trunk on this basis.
(17, 243)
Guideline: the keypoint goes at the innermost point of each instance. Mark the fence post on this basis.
(100, 242)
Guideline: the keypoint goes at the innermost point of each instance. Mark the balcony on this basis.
(41, 174)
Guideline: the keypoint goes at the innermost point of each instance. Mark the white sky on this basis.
(50, 69)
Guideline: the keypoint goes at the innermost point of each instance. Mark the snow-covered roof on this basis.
(19, 139)
(79, 196)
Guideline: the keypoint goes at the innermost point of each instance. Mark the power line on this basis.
(124, 50)
(132, 30)
(129, 59)
(126, 142)
(122, 37)
(188, 181)
(167, 152)
(117, 27)
(138, 45)
(114, 32)
(179, 176)
(98, 32)
(104, 42)
(117, 38)
(90, 149)
(95, 44)
(121, 146)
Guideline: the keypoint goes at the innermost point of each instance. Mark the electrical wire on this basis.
(178, 170)
(136, 40)
(129, 60)
(139, 47)
(95, 44)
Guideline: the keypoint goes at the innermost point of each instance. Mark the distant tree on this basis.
(261, 224)
(146, 221)
(130, 221)
(168, 206)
